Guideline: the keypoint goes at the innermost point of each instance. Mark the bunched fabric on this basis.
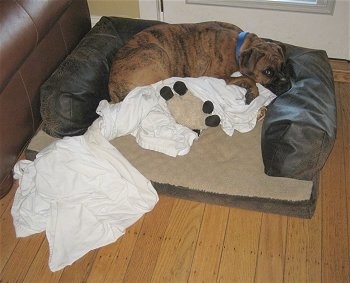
(83, 193)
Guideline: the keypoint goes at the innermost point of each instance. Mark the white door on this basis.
(319, 31)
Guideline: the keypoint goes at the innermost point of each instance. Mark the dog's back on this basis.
(169, 50)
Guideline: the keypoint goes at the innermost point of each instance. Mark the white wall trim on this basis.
(349, 33)
(151, 10)
(94, 20)
(321, 7)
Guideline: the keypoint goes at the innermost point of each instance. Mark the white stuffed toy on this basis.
(187, 109)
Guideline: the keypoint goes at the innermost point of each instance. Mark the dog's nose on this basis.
(283, 79)
(281, 84)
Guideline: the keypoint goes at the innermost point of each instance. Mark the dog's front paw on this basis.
(250, 96)
(252, 93)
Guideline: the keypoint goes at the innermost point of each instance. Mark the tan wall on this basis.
(126, 8)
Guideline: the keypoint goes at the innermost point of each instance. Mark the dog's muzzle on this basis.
(281, 82)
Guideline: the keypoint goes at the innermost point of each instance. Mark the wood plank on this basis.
(239, 255)
(8, 240)
(344, 94)
(296, 251)
(303, 249)
(39, 270)
(179, 242)
(148, 244)
(103, 261)
(341, 70)
(314, 248)
(210, 244)
(8, 199)
(272, 244)
(79, 270)
(335, 239)
(22, 257)
(120, 262)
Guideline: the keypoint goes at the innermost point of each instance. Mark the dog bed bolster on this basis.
(300, 126)
(69, 98)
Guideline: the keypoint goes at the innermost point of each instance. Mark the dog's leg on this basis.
(144, 66)
(248, 84)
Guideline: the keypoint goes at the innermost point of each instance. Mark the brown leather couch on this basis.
(35, 36)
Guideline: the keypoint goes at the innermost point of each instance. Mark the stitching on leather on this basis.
(36, 28)
(30, 105)
(62, 35)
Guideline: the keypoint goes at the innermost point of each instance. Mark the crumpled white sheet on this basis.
(144, 113)
(84, 193)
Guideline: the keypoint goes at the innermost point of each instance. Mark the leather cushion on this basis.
(23, 25)
(300, 126)
(69, 98)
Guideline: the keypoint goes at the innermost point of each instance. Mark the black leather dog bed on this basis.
(297, 133)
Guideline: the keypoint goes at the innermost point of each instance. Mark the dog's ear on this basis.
(282, 50)
(248, 60)
(282, 47)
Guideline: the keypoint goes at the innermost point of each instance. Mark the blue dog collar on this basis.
(240, 40)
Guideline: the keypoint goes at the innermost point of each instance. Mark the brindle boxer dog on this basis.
(212, 49)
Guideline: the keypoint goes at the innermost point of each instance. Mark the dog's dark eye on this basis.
(268, 72)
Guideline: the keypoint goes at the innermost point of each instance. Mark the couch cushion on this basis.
(300, 126)
(70, 96)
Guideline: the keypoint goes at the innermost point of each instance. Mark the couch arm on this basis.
(300, 127)
(35, 37)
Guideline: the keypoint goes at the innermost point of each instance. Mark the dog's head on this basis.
(265, 63)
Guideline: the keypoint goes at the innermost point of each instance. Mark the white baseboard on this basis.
(94, 20)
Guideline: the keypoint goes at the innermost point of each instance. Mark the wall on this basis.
(327, 32)
(122, 8)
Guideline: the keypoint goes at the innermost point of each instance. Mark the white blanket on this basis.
(84, 193)
(144, 114)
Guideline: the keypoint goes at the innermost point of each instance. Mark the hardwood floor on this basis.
(184, 241)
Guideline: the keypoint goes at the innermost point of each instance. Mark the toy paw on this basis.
(212, 121)
(166, 93)
(180, 88)
(208, 107)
